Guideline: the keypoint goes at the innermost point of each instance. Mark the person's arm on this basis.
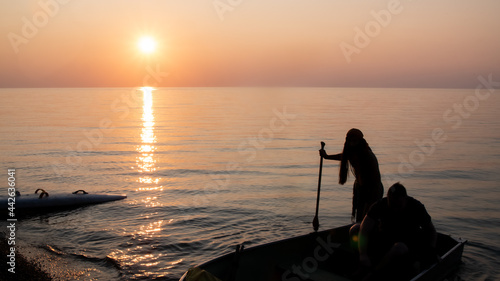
(431, 238)
(428, 228)
(431, 233)
(323, 154)
(366, 227)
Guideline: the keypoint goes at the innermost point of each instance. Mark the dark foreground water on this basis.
(207, 168)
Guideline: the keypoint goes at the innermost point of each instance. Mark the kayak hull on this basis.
(54, 201)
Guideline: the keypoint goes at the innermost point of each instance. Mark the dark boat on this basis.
(325, 255)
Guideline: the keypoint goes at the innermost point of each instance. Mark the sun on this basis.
(147, 44)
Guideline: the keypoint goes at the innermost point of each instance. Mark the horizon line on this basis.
(254, 86)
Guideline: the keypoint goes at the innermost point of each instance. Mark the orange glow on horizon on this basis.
(101, 44)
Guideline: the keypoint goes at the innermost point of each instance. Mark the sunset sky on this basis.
(326, 43)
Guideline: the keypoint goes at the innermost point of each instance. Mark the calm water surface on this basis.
(207, 168)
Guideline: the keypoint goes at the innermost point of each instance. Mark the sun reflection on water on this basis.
(146, 160)
(144, 253)
(148, 251)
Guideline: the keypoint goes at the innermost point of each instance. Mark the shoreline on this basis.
(24, 269)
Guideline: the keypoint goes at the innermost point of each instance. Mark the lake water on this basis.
(207, 168)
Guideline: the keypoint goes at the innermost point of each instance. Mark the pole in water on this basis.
(316, 219)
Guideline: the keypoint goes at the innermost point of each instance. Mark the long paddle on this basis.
(316, 220)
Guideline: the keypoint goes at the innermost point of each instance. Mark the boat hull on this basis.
(326, 255)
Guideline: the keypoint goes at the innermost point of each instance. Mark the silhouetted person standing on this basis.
(358, 155)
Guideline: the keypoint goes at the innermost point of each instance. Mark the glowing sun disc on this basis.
(147, 45)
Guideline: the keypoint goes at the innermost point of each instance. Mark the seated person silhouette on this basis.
(396, 232)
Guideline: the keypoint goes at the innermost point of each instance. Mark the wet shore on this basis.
(24, 269)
